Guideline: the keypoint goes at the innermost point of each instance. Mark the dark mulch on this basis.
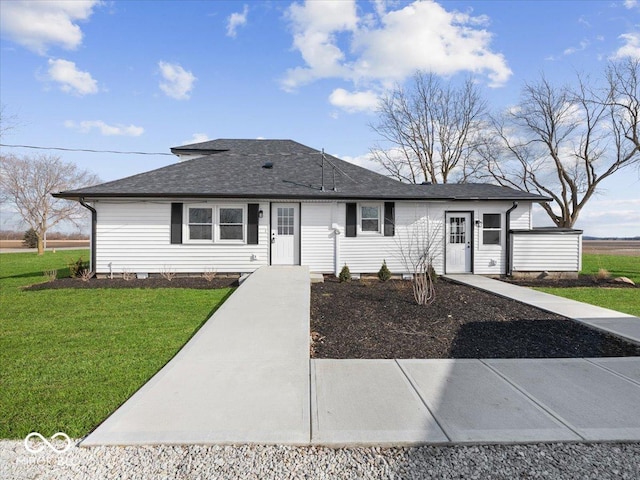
(151, 282)
(372, 319)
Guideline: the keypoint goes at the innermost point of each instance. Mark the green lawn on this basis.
(623, 300)
(68, 357)
(616, 265)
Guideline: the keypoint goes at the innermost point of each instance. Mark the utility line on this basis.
(83, 150)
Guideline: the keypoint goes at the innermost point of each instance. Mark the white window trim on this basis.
(244, 224)
(215, 236)
(185, 223)
(380, 208)
(488, 246)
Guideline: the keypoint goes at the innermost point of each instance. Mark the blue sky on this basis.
(146, 76)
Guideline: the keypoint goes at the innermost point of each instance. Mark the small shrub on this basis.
(384, 274)
(51, 275)
(602, 274)
(127, 274)
(86, 275)
(77, 268)
(209, 274)
(30, 239)
(345, 274)
(167, 273)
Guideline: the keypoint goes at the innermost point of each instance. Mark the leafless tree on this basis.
(430, 131)
(8, 121)
(562, 141)
(419, 246)
(28, 182)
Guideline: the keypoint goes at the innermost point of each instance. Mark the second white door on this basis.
(285, 234)
(458, 243)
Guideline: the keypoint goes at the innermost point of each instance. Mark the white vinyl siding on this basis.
(135, 236)
(365, 253)
(318, 238)
(547, 252)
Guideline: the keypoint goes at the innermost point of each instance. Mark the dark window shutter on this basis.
(252, 223)
(352, 220)
(389, 219)
(176, 223)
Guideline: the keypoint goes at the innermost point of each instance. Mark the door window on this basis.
(457, 230)
(285, 221)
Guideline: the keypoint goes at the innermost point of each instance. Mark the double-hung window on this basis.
(231, 223)
(370, 218)
(491, 228)
(200, 223)
(216, 223)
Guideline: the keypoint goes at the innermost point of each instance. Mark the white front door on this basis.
(458, 242)
(285, 234)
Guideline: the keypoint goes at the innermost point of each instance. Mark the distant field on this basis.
(50, 243)
(630, 248)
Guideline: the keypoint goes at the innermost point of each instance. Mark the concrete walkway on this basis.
(246, 377)
(243, 378)
(620, 324)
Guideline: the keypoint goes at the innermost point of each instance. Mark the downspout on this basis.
(94, 222)
(508, 254)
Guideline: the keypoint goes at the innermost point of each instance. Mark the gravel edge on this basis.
(540, 461)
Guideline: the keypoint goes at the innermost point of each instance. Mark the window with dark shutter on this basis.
(176, 223)
(389, 219)
(352, 220)
(252, 223)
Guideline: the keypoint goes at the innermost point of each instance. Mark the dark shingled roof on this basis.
(236, 169)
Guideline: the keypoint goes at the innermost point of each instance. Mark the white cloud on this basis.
(197, 138)
(315, 25)
(631, 47)
(582, 46)
(40, 25)
(107, 130)
(71, 79)
(631, 4)
(389, 45)
(604, 218)
(236, 20)
(364, 161)
(365, 101)
(178, 82)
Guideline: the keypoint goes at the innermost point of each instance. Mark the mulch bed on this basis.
(372, 319)
(151, 282)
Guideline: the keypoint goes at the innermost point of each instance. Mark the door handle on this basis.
(273, 238)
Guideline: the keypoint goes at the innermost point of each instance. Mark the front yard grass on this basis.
(68, 358)
(626, 300)
(616, 265)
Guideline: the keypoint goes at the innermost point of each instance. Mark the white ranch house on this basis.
(236, 205)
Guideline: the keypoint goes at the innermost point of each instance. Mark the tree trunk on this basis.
(40, 245)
